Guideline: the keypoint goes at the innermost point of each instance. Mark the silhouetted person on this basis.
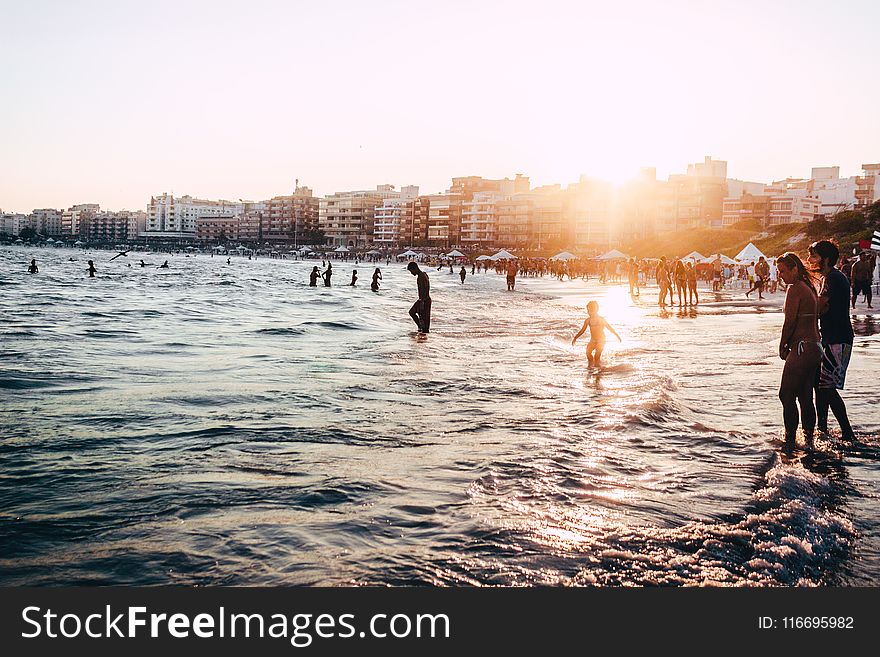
(377, 276)
(92, 269)
(801, 349)
(462, 274)
(164, 265)
(313, 277)
(143, 264)
(33, 269)
(327, 275)
(835, 327)
(228, 261)
(354, 277)
(473, 267)
(511, 275)
(597, 325)
(421, 309)
(861, 278)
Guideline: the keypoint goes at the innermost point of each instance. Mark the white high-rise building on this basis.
(169, 214)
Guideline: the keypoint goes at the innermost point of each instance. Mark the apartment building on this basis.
(347, 218)
(74, 220)
(292, 218)
(169, 214)
(867, 186)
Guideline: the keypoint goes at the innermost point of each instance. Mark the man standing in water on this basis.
(462, 274)
(327, 275)
(33, 269)
(836, 330)
(861, 278)
(511, 275)
(92, 269)
(421, 309)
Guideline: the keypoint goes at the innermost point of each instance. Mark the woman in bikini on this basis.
(597, 325)
(800, 347)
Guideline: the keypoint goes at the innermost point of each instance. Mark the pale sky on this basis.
(112, 102)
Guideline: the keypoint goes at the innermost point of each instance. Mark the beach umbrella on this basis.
(503, 255)
(565, 255)
(613, 254)
(374, 252)
(455, 254)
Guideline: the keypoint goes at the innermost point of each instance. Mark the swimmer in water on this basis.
(597, 325)
(313, 277)
(164, 265)
(462, 274)
(143, 264)
(354, 277)
(33, 269)
(92, 269)
(377, 276)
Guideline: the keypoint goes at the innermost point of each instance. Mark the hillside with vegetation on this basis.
(846, 228)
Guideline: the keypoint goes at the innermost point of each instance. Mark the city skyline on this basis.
(113, 103)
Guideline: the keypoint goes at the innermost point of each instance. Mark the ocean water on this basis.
(226, 424)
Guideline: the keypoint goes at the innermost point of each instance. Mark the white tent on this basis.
(503, 255)
(455, 254)
(50, 241)
(305, 249)
(750, 254)
(340, 249)
(484, 257)
(565, 255)
(695, 255)
(408, 254)
(724, 259)
(374, 252)
(613, 254)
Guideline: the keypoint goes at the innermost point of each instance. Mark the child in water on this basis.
(597, 325)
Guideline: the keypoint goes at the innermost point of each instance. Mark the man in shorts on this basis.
(421, 309)
(837, 336)
(861, 278)
(718, 270)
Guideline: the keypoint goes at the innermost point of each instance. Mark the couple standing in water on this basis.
(816, 354)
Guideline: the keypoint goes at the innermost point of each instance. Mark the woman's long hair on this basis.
(791, 260)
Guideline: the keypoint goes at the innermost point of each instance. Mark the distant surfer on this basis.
(313, 277)
(92, 269)
(597, 325)
(800, 348)
(421, 309)
(377, 276)
(143, 264)
(164, 265)
(33, 269)
(121, 253)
